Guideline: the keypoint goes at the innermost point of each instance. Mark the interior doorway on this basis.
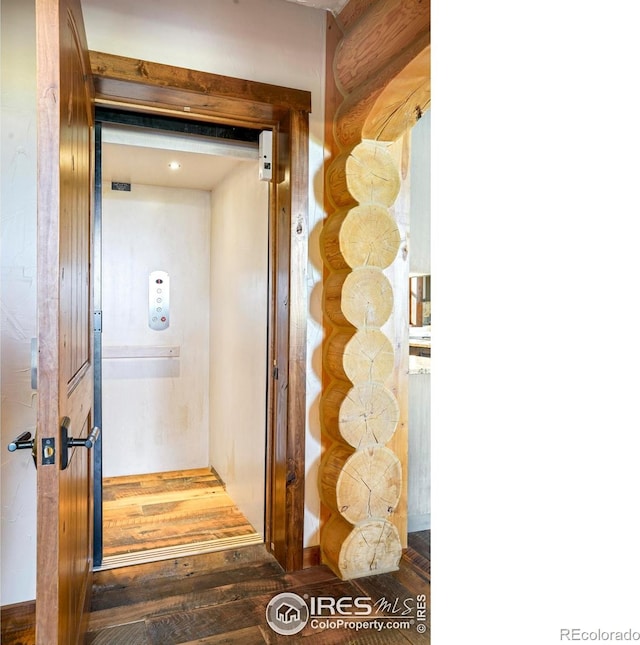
(183, 328)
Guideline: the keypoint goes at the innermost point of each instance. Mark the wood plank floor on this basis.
(221, 598)
(161, 511)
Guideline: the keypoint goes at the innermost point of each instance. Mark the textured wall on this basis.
(18, 297)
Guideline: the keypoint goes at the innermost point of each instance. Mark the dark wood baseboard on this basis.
(18, 622)
(311, 556)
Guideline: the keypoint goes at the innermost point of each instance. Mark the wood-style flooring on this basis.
(221, 598)
(147, 517)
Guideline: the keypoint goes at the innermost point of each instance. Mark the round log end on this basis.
(369, 548)
(366, 298)
(371, 174)
(369, 236)
(368, 356)
(369, 485)
(368, 415)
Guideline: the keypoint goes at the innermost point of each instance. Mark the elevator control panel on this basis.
(158, 300)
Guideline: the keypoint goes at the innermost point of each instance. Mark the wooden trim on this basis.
(311, 556)
(119, 68)
(200, 107)
(153, 88)
(19, 618)
(296, 434)
(333, 98)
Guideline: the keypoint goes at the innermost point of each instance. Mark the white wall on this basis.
(155, 410)
(18, 298)
(419, 466)
(239, 314)
(271, 41)
(419, 463)
(420, 227)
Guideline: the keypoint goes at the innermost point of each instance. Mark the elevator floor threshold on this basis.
(171, 514)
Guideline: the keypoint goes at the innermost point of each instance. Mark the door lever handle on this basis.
(22, 442)
(69, 442)
(88, 442)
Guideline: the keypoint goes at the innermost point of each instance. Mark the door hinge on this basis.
(275, 370)
(34, 363)
(97, 321)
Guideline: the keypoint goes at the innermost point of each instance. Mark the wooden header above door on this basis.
(192, 93)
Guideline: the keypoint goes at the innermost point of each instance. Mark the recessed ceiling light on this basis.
(174, 165)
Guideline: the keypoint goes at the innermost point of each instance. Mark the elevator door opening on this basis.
(184, 400)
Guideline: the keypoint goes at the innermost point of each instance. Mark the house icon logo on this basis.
(287, 614)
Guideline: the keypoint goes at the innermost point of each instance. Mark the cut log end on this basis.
(368, 356)
(367, 298)
(369, 236)
(368, 415)
(369, 548)
(371, 174)
(361, 485)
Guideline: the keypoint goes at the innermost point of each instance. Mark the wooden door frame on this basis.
(146, 87)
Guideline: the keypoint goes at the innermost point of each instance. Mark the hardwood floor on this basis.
(147, 517)
(222, 597)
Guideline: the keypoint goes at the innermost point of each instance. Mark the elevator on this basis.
(183, 328)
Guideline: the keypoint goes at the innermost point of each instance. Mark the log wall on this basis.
(378, 85)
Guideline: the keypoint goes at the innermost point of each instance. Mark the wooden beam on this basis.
(352, 12)
(402, 102)
(361, 106)
(157, 99)
(110, 68)
(378, 37)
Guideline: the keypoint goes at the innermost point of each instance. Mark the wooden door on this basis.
(65, 370)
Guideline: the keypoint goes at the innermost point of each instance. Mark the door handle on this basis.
(23, 442)
(69, 442)
(89, 442)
